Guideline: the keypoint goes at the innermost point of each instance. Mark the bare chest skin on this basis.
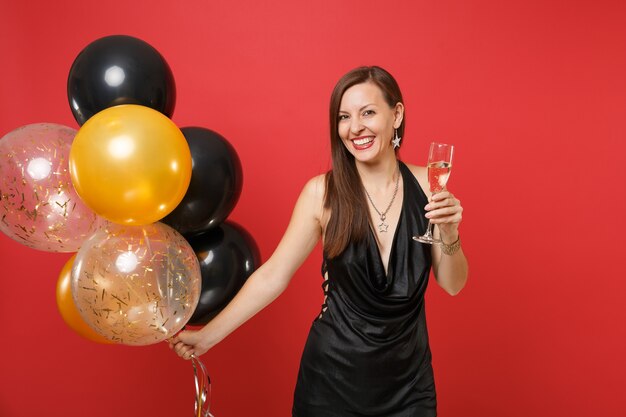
(384, 240)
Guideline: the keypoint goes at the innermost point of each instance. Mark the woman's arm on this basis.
(445, 211)
(269, 280)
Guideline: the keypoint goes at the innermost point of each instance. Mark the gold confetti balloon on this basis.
(136, 285)
(67, 308)
(39, 207)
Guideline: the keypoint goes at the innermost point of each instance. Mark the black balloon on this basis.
(228, 255)
(215, 187)
(117, 70)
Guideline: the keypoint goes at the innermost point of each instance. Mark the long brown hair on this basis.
(345, 196)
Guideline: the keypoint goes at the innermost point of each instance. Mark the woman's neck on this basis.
(378, 175)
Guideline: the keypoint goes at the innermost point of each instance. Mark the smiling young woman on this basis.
(365, 110)
(367, 352)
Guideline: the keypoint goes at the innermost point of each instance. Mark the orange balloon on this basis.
(68, 309)
(130, 164)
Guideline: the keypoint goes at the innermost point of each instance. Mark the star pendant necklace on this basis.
(382, 227)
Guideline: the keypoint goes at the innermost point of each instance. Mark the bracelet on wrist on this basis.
(452, 248)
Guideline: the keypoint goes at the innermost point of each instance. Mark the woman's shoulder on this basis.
(316, 186)
(417, 171)
(421, 175)
(313, 194)
(314, 191)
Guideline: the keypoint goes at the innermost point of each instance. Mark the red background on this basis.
(532, 93)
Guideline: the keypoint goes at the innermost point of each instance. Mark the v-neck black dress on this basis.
(367, 354)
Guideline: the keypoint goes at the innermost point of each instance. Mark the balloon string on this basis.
(203, 388)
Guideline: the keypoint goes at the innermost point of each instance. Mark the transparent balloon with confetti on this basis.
(39, 207)
(136, 285)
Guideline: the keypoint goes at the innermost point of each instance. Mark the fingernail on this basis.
(428, 215)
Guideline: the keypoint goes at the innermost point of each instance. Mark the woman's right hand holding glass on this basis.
(445, 211)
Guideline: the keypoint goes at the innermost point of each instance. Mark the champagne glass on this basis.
(439, 167)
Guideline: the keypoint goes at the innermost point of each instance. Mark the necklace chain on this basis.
(382, 227)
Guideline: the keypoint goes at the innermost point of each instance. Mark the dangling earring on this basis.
(396, 140)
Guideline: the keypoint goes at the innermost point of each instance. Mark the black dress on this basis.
(367, 354)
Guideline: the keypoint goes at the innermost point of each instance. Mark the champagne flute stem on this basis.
(429, 230)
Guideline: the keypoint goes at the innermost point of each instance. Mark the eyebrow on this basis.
(368, 104)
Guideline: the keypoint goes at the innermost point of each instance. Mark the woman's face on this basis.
(366, 123)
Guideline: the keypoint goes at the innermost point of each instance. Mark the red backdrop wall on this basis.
(532, 93)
